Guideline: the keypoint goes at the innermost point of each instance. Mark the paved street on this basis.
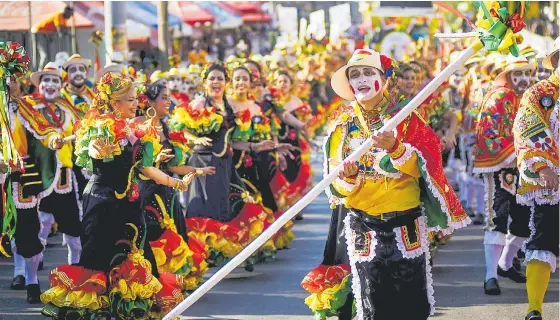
(273, 291)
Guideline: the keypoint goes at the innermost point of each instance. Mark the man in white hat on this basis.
(386, 232)
(60, 200)
(175, 81)
(76, 89)
(32, 136)
(495, 160)
(536, 131)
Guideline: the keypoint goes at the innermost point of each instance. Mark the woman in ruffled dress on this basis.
(294, 114)
(220, 211)
(255, 150)
(114, 276)
(174, 251)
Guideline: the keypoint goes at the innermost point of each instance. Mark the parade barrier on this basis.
(496, 33)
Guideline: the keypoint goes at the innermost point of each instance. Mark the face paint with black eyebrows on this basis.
(77, 74)
(50, 86)
(365, 82)
(174, 83)
(520, 80)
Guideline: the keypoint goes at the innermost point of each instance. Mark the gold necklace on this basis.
(238, 98)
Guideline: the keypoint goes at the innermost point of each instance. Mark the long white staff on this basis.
(323, 184)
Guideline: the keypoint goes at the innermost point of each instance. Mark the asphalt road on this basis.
(272, 291)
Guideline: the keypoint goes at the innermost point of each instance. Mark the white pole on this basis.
(322, 185)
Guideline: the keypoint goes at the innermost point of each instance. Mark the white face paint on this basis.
(520, 80)
(77, 74)
(50, 86)
(184, 88)
(457, 77)
(365, 82)
(542, 73)
(195, 78)
(174, 83)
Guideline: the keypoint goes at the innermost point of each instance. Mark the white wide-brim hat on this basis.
(547, 62)
(361, 57)
(77, 59)
(51, 68)
(516, 64)
(111, 67)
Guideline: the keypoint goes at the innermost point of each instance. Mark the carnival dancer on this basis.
(174, 251)
(114, 255)
(471, 191)
(385, 234)
(542, 72)
(76, 89)
(174, 81)
(256, 165)
(536, 131)
(294, 114)
(80, 94)
(33, 136)
(270, 174)
(60, 201)
(195, 82)
(214, 201)
(494, 159)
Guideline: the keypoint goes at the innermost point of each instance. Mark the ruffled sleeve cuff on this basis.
(347, 186)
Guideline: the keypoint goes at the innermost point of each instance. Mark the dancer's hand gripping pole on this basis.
(322, 185)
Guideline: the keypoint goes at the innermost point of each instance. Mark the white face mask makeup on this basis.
(365, 82)
(50, 86)
(174, 83)
(77, 74)
(542, 73)
(521, 80)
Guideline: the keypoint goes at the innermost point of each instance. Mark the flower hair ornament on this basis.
(388, 65)
(209, 66)
(107, 85)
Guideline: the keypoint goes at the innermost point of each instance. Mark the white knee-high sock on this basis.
(480, 202)
(19, 262)
(32, 264)
(47, 221)
(74, 248)
(513, 244)
(492, 254)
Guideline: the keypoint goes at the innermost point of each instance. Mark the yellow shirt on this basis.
(376, 193)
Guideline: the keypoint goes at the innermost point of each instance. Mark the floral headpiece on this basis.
(107, 85)
(388, 65)
(210, 66)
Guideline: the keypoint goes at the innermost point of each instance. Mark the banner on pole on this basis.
(340, 20)
(302, 30)
(317, 27)
(289, 24)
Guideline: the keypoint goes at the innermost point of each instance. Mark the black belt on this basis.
(414, 212)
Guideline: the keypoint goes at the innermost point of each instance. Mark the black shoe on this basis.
(33, 293)
(249, 267)
(492, 288)
(299, 216)
(18, 283)
(534, 315)
(513, 274)
(517, 264)
(41, 266)
(478, 220)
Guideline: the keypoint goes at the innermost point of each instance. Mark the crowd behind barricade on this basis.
(154, 176)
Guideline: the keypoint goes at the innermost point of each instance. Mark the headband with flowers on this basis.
(107, 85)
(209, 66)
